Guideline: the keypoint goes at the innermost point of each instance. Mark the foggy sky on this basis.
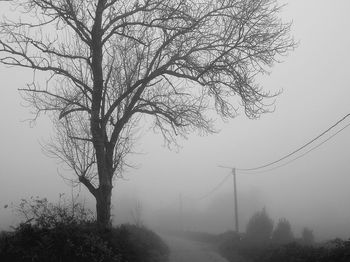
(312, 191)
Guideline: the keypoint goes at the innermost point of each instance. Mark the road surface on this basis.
(183, 250)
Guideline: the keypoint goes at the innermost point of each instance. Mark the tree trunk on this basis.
(103, 206)
(98, 130)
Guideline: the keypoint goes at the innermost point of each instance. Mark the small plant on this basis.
(40, 212)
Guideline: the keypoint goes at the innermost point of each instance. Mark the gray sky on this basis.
(312, 191)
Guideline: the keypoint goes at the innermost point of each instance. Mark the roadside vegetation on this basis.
(238, 249)
(67, 232)
(262, 242)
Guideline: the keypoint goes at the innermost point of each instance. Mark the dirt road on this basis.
(183, 250)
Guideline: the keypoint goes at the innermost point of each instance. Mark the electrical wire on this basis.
(218, 186)
(213, 190)
(256, 170)
(296, 158)
(296, 150)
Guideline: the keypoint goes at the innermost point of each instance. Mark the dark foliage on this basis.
(44, 214)
(259, 228)
(237, 247)
(308, 237)
(137, 244)
(63, 242)
(283, 233)
(65, 232)
(333, 251)
(240, 249)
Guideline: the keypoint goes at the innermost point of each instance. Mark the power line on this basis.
(255, 170)
(214, 189)
(296, 158)
(298, 149)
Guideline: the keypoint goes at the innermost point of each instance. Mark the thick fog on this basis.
(172, 189)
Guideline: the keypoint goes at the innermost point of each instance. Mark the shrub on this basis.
(40, 212)
(66, 232)
(231, 246)
(283, 233)
(334, 251)
(259, 228)
(307, 237)
(65, 242)
(137, 244)
(63, 231)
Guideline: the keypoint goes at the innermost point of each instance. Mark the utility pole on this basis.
(181, 213)
(235, 200)
(235, 195)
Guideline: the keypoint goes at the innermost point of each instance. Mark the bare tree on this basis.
(136, 213)
(107, 63)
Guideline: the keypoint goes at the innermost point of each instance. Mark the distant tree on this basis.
(108, 63)
(259, 228)
(283, 233)
(308, 236)
(136, 213)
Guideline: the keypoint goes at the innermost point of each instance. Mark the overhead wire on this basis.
(298, 149)
(214, 189)
(300, 156)
(257, 170)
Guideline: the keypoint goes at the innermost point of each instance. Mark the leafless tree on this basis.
(107, 63)
(136, 213)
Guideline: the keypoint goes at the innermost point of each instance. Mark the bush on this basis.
(65, 242)
(308, 237)
(54, 232)
(40, 212)
(259, 228)
(231, 246)
(334, 251)
(66, 232)
(283, 233)
(137, 244)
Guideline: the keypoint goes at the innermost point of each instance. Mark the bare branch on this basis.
(109, 62)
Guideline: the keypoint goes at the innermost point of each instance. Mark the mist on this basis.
(171, 188)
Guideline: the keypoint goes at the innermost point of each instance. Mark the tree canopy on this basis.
(259, 228)
(283, 232)
(108, 63)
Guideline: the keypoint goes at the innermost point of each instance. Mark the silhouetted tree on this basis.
(259, 228)
(136, 213)
(109, 62)
(308, 236)
(283, 233)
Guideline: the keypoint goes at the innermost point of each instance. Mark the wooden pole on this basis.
(235, 196)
